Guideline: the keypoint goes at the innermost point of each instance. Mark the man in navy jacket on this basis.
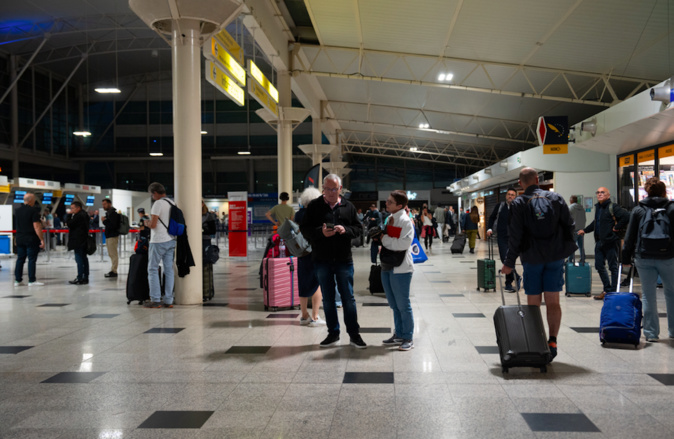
(501, 217)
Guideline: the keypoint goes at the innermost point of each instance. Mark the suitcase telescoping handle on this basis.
(491, 247)
(630, 275)
(500, 283)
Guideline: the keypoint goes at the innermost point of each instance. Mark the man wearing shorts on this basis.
(541, 234)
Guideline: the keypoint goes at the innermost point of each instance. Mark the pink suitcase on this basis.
(281, 289)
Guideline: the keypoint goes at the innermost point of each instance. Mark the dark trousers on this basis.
(23, 251)
(607, 254)
(82, 261)
(374, 251)
(333, 275)
(502, 252)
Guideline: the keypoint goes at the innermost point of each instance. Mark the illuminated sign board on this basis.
(224, 83)
(256, 73)
(216, 52)
(231, 46)
(262, 97)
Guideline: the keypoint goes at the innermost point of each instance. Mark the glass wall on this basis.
(666, 168)
(626, 170)
(646, 167)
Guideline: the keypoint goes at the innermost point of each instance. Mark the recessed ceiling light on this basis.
(441, 77)
(243, 152)
(107, 90)
(424, 126)
(157, 154)
(82, 133)
(414, 148)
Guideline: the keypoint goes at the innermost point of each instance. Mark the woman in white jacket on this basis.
(396, 275)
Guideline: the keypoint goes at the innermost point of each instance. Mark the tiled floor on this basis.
(78, 362)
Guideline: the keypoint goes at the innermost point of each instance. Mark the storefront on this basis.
(636, 167)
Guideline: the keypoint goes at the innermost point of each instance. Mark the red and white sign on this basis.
(238, 224)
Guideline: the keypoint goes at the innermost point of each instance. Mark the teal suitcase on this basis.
(486, 271)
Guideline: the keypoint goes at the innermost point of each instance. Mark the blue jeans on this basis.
(649, 269)
(161, 252)
(82, 261)
(580, 242)
(21, 252)
(397, 288)
(602, 256)
(338, 274)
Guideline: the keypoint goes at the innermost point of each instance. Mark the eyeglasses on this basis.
(600, 192)
(333, 190)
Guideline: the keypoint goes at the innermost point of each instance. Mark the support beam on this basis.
(114, 119)
(15, 79)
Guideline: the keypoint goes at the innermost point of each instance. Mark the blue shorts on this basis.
(539, 278)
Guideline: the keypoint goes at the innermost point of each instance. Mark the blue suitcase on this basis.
(620, 320)
(578, 279)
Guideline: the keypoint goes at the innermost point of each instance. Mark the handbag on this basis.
(418, 254)
(391, 257)
(91, 244)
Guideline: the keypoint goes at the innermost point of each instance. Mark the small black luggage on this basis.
(375, 280)
(209, 288)
(520, 335)
(137, 285)
(458, 244)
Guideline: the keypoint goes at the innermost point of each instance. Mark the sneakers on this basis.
(553, 349)
(393, 341)
(318, 322)
(357, 342)
(151, 304)
(406, 345)
(472, 250)
(19, 284)
(600, 296)
(510, 289)
(330, 340)
(35, 284)
(652, 339)
(111, 274)
(305, 322)
(167, 305)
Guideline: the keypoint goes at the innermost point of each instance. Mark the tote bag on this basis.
(418, 254)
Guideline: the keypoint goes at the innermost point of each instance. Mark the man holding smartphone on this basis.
(330, 223)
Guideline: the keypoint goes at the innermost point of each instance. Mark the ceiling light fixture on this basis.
(243, 152)
(204, 132)
(424, 126)
(107, 90)
(413, 148)
(82, 133)
(157, 154)
(445, 77)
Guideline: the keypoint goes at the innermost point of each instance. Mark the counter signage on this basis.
(646, 156)
(238, 224)
(666, 151)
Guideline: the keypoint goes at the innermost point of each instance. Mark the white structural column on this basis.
(285, 135)
(186, 65)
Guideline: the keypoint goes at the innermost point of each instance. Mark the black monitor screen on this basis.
(69, 199)
(18, 196)
(90, 200)
(47, 197)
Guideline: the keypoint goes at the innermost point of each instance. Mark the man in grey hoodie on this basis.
(578, 215)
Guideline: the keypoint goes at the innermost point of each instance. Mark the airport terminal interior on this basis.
(232, 100)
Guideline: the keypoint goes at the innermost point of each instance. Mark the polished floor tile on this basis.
(560, 422)
(15, 296)
(283, 316)
(665, 378)
(74, 377)
(375, 330)
(368, 378)
(451, 295)
(100, 316)
(215, 304)
(248, 350)
(164, 330)
(52, 305)
(375, 304)
(468, 315)
(487, 349)
(13, 349)
(586, 330)
(177, 419)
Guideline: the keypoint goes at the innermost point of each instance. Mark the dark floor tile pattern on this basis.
(176, 419)
(100, 316)
(214, 304)
(467, 315)
(52, 305)
(368, 378)
(283, 316)
(74, 377)
(465, 262)
(586, 330)
(375, 304)
(375, 330)
(451, 295)
(567, 422)
(487, 349)
(164, 330)
(245, 289)
(441, 281)
(248, 350)
(15, 296)
(13, 349)
(665, 378)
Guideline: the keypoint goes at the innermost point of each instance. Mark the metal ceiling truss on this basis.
(425, 150)
(516, 131)
(596, 89)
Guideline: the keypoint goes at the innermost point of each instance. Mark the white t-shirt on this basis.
(162, 209)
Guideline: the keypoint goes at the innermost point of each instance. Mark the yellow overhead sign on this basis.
(224, 83)
(231, 45)
(556, 149)
(628, 160)
(666, 151)
(261, 95)
(646, 156)
(256, 73)
(219, 54)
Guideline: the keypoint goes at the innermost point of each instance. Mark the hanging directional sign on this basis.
(231, 45)
(224, 83)
(217, 53)
(553, 134)
(266, 84)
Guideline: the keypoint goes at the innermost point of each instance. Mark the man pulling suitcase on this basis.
(540, 219)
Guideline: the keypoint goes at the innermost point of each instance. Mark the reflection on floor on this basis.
(78, 362)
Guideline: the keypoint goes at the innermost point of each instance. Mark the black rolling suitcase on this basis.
(486, 270)
(520, 335)
(375, 280)
(458, 244)
(209, 287)
(137, 285)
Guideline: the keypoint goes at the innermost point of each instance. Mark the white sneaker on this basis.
(318, 322)
(19, 284)
(35, 284)
(305, 322)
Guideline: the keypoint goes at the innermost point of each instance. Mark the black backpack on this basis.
(542, 220)
(176, 225)
(654, 232)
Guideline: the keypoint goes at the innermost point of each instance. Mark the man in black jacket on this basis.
(29, 240)
(330, 223)
(112, 223)
(500, 217)
(541, 234)
(608, 219)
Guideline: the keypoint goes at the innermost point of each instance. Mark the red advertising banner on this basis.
(238, 228)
